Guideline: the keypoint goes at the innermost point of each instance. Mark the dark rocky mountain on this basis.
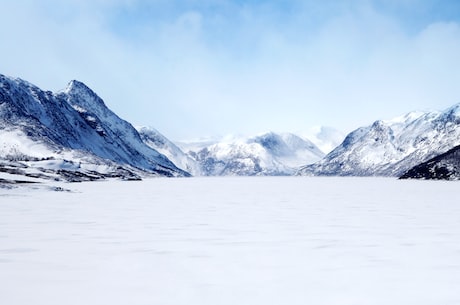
(443, 167)
(71, 133)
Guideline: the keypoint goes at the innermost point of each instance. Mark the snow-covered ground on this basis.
(233, 241)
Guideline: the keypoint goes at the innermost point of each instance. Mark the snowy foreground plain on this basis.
(235, 241)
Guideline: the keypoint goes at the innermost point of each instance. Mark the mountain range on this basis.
(72, 135)
(267, 154)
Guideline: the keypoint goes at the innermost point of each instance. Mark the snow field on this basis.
(239, 240)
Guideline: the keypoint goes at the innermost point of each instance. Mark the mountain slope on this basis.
(443, 167)
(163, 145)
(73, 125)
(389, 148)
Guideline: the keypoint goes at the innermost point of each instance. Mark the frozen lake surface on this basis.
(233, 241)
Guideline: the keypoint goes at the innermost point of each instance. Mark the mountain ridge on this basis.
(389, 148)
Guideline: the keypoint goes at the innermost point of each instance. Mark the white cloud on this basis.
(200, 70)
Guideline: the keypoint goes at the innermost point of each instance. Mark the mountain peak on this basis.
(77, 85)
(379, 124)
(81, 95)
(454, 110)
(451, 115)
(85, 100)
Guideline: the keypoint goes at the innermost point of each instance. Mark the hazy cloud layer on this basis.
(194, 68)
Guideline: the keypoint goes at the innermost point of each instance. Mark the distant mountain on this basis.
(443, 167)
(267, 154)
(71, 133)
(390, 148)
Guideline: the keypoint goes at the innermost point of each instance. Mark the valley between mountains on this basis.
(73, 136)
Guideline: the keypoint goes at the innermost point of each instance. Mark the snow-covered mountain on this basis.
(445, 166)
(390, 148)
(163, 145)
(71, 133)
(267, 154)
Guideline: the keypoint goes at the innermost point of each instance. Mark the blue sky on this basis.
(213, 67)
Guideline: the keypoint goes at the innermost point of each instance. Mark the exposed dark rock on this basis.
(443, 167)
